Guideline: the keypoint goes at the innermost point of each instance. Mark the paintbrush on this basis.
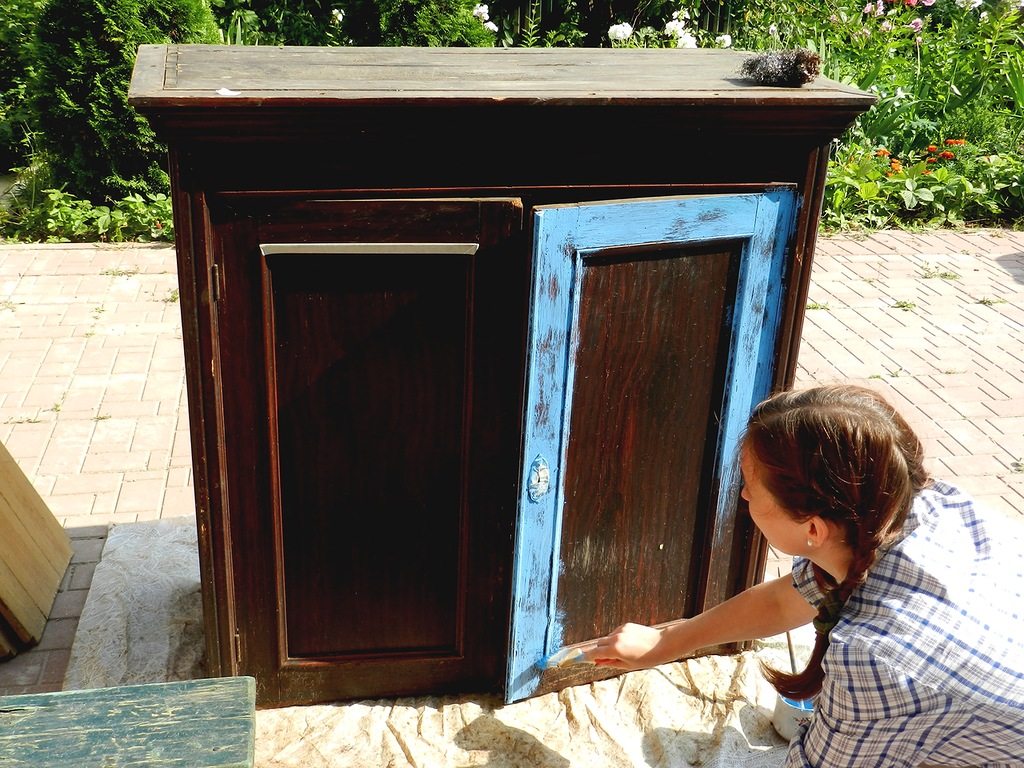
(562, 658)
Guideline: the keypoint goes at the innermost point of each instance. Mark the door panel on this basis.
(652, 333)
(371, 408)
(643, 377)
(377, 359)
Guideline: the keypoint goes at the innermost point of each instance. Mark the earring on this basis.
(810, 543)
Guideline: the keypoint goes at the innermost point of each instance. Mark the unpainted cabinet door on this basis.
(370, 357)
(653, 329)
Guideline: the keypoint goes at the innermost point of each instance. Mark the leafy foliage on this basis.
(17, 21)
(531, 23)
(353, 22)
(276, 22)
(96, 145)
(949, 183)
(60, 216)
(431, 22)
(942, 69)
(534, 27)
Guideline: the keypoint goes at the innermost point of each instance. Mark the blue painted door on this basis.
(653, 329)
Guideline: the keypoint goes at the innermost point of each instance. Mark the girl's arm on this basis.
(767, 609)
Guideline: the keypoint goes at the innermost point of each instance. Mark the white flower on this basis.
(983, 15)
(337, 16)
(481, 12)
(675, 28)
(685, 15)
(773, 30)
(490, 26)
(724, 41)
(968, 5)
(686, 40)
(620, 32)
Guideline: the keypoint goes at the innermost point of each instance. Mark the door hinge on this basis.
(215, 283)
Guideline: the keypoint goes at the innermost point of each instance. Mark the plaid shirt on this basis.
(926, 664)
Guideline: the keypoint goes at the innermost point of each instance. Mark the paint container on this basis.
(790, 714)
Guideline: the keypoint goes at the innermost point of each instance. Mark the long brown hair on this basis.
(844, 454)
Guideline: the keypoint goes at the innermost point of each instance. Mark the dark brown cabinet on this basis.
(470, 338)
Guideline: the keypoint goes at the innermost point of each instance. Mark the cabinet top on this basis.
(169, 76)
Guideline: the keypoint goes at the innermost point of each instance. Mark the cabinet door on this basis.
(370, 397)
(653, 329)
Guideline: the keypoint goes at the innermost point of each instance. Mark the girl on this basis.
(914, 594)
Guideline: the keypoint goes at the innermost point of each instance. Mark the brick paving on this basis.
(92, 395)
(42, 668)
(936, 323)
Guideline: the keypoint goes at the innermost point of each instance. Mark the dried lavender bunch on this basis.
(791, 68)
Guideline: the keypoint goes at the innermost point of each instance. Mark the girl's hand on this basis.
(631, 646)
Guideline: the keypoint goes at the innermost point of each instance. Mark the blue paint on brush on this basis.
(562, 658)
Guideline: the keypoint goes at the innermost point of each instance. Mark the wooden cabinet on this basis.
(471, 336)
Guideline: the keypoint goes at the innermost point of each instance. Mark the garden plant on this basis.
(942, 146)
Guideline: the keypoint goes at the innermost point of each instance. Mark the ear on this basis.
(818, 531)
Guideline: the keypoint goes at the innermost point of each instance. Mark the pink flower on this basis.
(927, 2)
(916, 25)
(911, 3)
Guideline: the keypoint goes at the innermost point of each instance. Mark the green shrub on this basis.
(415, 22)
(17, 20)
(951, 182)
(352, 22)
(59, 216)
(276, 22)
(96, 145)
(530, 23)
(942, 69)
(433, 23)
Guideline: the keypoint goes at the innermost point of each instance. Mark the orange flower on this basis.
(896, 165)
(955, 142)
(926, 172)
(947, 155)
(932, 160)
(932, 148)
(883, 152)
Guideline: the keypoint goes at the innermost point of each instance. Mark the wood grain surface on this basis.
(192, 724)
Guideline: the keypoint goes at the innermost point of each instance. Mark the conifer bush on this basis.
(17, 20)
(97, 147)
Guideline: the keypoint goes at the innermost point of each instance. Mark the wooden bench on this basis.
(192, 724)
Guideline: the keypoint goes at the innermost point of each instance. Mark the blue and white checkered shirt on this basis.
(926, 664)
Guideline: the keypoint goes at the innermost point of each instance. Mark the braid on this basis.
(844, 454)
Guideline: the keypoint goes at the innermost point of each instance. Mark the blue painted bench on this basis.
(192, 724)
